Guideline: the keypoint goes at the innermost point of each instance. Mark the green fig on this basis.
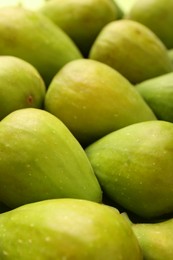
(21, 85)
(156, 15)
(68, 229)
(158, 94)
(33, 37)
(155, 239)
(40, 159)
(92, 100)
(170, 54)
(81, 20)
(134, 167)
(132, 49)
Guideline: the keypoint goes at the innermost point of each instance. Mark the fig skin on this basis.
(66, 229)
(132, 49)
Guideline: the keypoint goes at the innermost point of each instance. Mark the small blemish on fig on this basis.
(138, 31)
(30, 99)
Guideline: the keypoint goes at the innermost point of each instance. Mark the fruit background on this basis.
(86, 130)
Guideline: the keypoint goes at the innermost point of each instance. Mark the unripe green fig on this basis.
(40, 159)
(158, 94)
(170, 54)
(134, 167)
(155, 239)
(156, 15)
(33, 37)
(92, 100)
(21, 85)
(132, 49)
(68, 229)
(81, 20)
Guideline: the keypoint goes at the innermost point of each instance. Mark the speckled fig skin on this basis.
(81, 20)
(33, 37)
(132, 49)
(155, 239)
(158, 94)
(41, 159)
(92, 100)
(134, 167)
(21, 85)
(156, 15)
(66, 229)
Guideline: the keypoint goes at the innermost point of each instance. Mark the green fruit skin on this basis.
(132, 49)
(156, 15)
(33, 37)
(41, 159)
(170, 54)
(158, 94)
(81, 20)
(21, 85)
(134, 167)
(66, 229)
(92, 100)
(155, 239)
